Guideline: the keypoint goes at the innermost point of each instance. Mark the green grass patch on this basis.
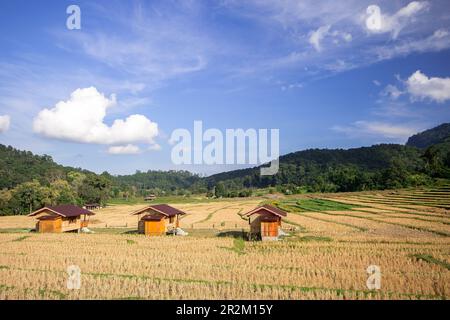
(21, 238)
(162, 199)
(129, 241)
(15, 230)
(323, 205)
(238, 246)
(114, 230)
(60, 295)
(430, 259)
(4, 287)
(315, 238)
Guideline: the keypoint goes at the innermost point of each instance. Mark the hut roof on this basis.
(49, 217)
(268, 209)
(153, 217)
(161, 208)
(64, 210)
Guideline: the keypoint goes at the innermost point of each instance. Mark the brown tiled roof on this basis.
(162, 208)
(268, 209)
(54, 217)
(153, 217)
(65, 210)
(275, 209)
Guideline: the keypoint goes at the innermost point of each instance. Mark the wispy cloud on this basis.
(127, 149)
(392, 92)
(4, 123)
(437, 41)
(316, 37)
(330, 39)
(156, 42)
(377, 22)
(377, 129)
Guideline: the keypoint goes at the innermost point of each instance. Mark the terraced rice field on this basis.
(336, 237)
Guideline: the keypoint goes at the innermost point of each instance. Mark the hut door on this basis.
(269, 229)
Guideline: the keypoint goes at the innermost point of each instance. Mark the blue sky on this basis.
(326, 76)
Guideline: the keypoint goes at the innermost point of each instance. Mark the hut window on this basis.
(171, 219)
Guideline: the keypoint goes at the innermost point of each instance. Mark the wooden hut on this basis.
(150, 197)
(91, 206)
(62, 218)
(265, 222)
(158, 219)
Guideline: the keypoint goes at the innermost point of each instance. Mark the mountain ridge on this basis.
(295, 168)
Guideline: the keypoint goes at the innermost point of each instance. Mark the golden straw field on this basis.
(333, 239)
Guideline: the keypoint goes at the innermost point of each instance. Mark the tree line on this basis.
(29, 182)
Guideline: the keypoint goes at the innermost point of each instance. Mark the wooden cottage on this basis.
(62, 218)
(265, 222)
(158, 219)
(150, 197)
(91, 206)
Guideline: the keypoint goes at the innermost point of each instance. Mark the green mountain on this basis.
(29, 181)
(158, 181)
(18, 166)
(376, 167)
(430, 137)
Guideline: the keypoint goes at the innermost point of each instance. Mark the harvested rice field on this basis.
(333, 239)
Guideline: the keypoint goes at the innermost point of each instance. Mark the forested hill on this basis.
(30, 181)
(18, 166)
(163, 180)
(379, 166)
(429, 137)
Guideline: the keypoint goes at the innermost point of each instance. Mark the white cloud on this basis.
(317, 36)
(81, 119)
(377, 22)
(439, 40)
(377, 83)
(291, 86)
(154, 147)
(127, 149)
(4, 123)
(392, 91)
(154, 42)
(380, 129)
(420, 86)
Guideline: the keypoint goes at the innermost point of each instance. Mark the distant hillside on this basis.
(164, 180)
(18, 166)
(380, 166)
(429, 137)
(426, 156)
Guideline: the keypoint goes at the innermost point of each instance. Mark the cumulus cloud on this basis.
(317, 36)
(4, 123)
(377, 22)
(81, 119)
(127, 149)
(375, 128)
(420, 86)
